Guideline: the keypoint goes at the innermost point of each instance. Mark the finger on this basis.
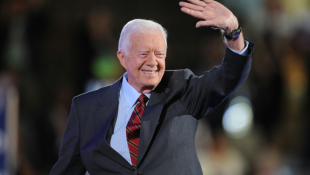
(197, 2)
(193, 13)
(191, 6)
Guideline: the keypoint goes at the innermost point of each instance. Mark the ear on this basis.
(121, 58)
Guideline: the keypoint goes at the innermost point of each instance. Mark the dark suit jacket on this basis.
(169, 123)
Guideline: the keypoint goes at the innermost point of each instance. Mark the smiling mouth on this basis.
(149, 72)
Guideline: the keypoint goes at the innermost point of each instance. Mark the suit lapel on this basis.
(149, 121)
(103, 119)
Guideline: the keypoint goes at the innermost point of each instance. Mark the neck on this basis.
(143, 90)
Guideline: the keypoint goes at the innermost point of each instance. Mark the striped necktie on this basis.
(133, 129)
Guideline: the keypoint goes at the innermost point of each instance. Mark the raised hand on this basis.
(215, 15)
(212, 13)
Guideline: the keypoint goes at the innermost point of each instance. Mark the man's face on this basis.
(144, 60)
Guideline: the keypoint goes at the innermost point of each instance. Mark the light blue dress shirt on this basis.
(127, 101)
(242, 52)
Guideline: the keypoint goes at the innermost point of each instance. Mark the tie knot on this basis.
(142, 98)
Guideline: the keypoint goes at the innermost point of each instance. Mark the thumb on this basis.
(204, 24)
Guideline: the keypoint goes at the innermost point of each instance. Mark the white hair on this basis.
(138, 25)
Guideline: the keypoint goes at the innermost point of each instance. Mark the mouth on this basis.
(149, 71)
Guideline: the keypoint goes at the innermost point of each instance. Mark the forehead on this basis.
(150, 39)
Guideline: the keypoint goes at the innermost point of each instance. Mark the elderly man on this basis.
(145, 122)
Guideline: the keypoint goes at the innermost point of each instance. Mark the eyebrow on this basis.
(162, 51)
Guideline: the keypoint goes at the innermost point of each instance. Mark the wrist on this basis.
(232, 24)
(237, 44)
(233, 34)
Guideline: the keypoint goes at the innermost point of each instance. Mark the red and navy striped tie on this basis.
(133, 129)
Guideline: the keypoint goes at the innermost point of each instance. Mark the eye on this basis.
(160, 55)
(143, 54)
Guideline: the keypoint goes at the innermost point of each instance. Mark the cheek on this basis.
(133, 66)
(162, 65)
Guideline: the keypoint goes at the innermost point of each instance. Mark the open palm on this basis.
(212, 13)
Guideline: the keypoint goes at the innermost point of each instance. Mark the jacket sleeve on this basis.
(205, 92)
(69, 161)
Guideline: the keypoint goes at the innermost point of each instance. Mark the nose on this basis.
(151, 61)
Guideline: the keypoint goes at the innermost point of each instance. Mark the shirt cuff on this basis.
(242, 52)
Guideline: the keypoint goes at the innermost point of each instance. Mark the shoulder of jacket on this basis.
(172, 77)
(92, 95)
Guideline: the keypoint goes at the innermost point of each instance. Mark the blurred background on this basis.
(51, 51)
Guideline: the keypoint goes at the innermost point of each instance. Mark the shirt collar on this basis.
(130, 93)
